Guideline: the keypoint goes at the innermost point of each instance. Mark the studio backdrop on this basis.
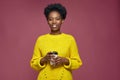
(94, 24)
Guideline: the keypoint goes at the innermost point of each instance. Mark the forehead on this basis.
(54, 14)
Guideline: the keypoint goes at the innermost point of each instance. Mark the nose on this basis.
(54, 21)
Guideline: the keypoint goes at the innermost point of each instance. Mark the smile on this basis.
(54, 26)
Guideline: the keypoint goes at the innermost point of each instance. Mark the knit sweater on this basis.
(65, 45)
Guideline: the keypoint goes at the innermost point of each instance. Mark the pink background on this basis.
(94, 24)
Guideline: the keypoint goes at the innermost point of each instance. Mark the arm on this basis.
(37, 62)
(74, 59)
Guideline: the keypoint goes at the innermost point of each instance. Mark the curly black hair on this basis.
(55, 7)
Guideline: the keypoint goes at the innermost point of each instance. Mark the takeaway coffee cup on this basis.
(54, 55)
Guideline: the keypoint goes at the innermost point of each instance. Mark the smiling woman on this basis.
(55, 15)
(55, 21)
(56, 47)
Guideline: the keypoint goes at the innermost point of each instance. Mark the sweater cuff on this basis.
(41, 66)
(68, 66)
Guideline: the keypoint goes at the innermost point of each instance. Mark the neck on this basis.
(55, 32)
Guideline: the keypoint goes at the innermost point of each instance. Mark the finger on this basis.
(59, 61)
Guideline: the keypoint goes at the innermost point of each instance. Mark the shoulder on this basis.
(42, 37)
(69, 36)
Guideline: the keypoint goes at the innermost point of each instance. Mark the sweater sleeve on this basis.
(37, 56)
(74, 59)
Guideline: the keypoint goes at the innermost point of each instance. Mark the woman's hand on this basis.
(61, 60)
(46, 58)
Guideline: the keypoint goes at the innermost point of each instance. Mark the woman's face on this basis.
(55, 21)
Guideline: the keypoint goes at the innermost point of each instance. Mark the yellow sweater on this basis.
(65, 45)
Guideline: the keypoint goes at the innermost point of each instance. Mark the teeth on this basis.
(54, 26)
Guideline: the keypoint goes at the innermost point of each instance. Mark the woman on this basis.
(67, 58)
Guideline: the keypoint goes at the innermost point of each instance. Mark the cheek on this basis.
(59, 22)
(49, 22)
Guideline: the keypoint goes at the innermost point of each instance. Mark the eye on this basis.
(58, 18)
(49, 19)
